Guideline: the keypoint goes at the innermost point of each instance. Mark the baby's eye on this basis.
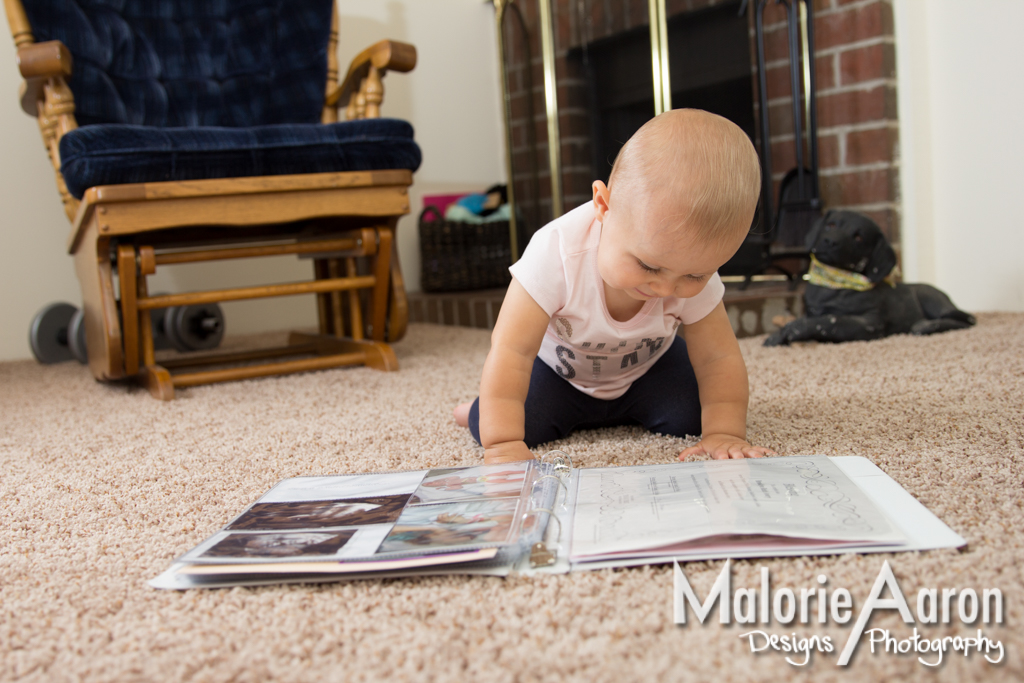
(696, 278)
(646, 267)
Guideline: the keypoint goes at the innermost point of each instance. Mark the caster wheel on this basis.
(194, 328)
(48, 334)
(76, 337)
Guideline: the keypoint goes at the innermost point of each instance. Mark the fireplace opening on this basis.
(710, 67)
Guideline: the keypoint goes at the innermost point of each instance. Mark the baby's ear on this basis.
(602, 198)
(882, 260)
(815, 231)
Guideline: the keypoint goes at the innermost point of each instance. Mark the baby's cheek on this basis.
(619, 279)
(612, 274)
(689, 289)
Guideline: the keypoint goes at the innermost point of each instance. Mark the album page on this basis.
(388, 521)
(804, 501)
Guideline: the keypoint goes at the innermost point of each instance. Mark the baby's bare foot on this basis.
(461, 414)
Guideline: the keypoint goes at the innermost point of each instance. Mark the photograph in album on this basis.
(313, 514)
(307, 545)
(469, 483)
(451, 525)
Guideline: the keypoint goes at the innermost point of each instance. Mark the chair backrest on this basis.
(190, 63)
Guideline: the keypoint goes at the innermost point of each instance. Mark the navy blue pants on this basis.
(664, 400)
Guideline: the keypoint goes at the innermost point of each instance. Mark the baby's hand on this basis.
(509, 451)
(724, 447)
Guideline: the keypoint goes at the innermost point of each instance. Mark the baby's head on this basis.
(680, 201)
(693, 170)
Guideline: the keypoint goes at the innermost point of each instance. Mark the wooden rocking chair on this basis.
(338, 209)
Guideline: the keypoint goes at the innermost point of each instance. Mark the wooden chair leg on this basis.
(377, 355)
(146, 326)
(337, 314)
(398, 302)
(126, 274)
(158, 380)
(382, 272)
(102, 326)
(380, 356)
(354, 307)
(323, 301)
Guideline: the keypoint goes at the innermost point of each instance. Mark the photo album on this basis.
(547, 516)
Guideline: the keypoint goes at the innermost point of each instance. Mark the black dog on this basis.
(848, 297)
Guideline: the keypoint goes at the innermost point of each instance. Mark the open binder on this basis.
(547, 516)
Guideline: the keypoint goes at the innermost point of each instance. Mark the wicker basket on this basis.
(458, 256)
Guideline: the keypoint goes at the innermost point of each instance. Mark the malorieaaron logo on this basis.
(823, 604)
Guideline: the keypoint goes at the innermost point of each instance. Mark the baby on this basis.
(586, 336)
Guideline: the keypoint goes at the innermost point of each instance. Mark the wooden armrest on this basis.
(45, 93)
(44, 60)
(384, 55)
(38, 62)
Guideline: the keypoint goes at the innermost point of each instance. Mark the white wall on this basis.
(451, 98)
(962, 148)
(34, 266)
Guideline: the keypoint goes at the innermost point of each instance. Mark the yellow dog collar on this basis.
(836, 278)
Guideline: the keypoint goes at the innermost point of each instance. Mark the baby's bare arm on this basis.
(515, 341)
(724, 392)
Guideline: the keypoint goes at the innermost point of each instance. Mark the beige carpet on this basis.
(103, 487)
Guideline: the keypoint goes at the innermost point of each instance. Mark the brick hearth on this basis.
(750, 310)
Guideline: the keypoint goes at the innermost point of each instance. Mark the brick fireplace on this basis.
(856, 107)
(856, 98)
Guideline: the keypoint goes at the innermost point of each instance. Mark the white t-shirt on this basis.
(600, 356)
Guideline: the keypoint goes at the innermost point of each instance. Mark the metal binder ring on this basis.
(551, 515)
(557, 479)
(560, 461)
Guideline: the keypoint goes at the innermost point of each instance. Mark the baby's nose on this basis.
(662, 288)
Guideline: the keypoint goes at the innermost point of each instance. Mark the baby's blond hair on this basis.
(702, 163)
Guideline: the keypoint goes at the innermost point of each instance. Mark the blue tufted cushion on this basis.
(191, 62)
(112, 154)
(192, 89)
